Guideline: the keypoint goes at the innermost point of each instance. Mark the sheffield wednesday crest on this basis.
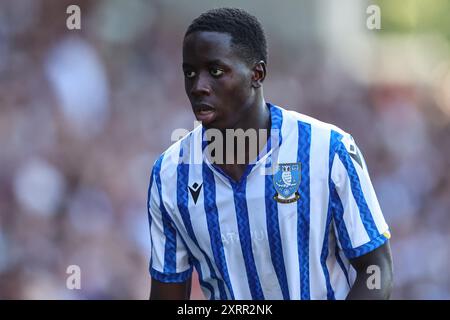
(286, 180)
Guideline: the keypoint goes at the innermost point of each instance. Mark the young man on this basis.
(298, 221)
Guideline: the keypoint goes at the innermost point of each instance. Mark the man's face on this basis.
(218, 82)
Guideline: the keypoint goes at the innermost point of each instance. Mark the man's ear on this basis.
(258, 74)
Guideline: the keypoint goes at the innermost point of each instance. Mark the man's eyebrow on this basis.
(217, 61)
(210, 62)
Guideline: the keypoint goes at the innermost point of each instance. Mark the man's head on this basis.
(224, 62)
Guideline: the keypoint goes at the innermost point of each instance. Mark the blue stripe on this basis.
(338, 211)
(212, 218)
(364, 211)
(273, 231)
(205, 141)
(150, 185)
(367, 247)
(277, 120)
(303, 207)
(149, 215)
(324, 254)
(182, 201)
(171, 278)
(240, 202)
(341, 263)
(169, 230)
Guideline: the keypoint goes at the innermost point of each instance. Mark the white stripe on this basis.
(158, 239)
(319, 155)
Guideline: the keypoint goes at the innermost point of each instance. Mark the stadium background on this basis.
(83, 115)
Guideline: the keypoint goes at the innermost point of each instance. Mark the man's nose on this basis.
(201, 87)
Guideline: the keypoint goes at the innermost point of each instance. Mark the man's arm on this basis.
(170, 291)
(382, 258)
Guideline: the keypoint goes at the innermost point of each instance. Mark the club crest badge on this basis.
(286, 180)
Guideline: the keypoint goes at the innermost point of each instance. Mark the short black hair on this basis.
(246, 32)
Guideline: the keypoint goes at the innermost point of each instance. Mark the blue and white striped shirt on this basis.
(246, 245)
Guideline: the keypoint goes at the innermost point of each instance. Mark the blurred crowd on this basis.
(84, 114)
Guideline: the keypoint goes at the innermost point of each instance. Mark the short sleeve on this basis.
(169, 261)
(358, 219)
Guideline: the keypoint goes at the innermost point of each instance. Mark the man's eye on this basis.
(216, 72)
(189, 74)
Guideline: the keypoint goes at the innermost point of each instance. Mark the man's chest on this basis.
(214, 209)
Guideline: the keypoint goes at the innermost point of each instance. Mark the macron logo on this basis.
(195, 191)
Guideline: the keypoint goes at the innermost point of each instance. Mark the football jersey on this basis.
(286, 230)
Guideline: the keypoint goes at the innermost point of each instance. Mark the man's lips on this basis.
(204, 112)
(198, 107)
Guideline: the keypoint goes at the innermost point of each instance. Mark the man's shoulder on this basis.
(326, 133)
(314, 123)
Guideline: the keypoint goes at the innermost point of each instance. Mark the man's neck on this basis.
(258, 121)
(257, 117)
